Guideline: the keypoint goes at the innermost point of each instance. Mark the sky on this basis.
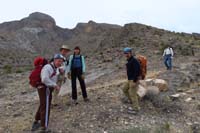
(173, 15)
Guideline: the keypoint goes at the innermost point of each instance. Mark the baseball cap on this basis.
(127, 50)
(58, 56)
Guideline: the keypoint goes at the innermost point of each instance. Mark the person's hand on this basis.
(61, 70)
(83, 76)
(64, 79)
(172, 57)
(69, 75)
(57, 87)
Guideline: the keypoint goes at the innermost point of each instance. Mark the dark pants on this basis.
(45, 96)
(76, 73)
(168, 61)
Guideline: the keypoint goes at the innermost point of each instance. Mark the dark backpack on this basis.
(34, 77)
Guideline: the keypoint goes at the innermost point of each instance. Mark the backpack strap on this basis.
(72, 63)
(81, 61)
(54, 70)
(73, 60)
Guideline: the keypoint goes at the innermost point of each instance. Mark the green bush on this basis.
(19, 71)
(165, 128)
(133, 130)
(162, 46)
(7, 69)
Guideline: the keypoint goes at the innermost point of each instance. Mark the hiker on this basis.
(168, 56)
(64, 50)
(63, 70)
(77, 70)
(133, 74)
(49, 83)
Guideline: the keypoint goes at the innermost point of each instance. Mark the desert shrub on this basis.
(185, 50)
(19, 71)
(133, 130)
(162, 46)
(7, 69)
(165, 128)
(2, 85)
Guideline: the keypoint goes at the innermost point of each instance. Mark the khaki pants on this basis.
(130, 90)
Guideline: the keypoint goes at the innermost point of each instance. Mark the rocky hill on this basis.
(38, 34)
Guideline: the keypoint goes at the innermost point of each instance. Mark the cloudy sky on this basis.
(173, 15)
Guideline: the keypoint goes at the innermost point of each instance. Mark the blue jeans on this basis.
(168, 61)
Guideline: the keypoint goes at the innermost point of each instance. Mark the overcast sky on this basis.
(174, 15)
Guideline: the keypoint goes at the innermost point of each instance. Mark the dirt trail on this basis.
(105, 112)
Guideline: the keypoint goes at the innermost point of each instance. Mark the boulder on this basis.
(142, 91)
(151, 87)
(149, 82)
(152, 90)
(161, 84)
(143, 83)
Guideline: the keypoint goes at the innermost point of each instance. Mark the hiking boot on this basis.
(133, 111)
(44, 130)
(86, 99)
(35, 126)
(126, 100)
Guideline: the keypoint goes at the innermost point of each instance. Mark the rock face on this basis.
(35, 35)
(29, 28)
(38, 34)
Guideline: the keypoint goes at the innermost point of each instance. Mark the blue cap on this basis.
(127, 50)
(58, 56)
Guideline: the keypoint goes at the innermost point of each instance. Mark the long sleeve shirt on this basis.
(133, 69)
(49, 75)
(168, 51)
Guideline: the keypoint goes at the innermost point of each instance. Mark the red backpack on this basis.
(34, 77)
(143, 66)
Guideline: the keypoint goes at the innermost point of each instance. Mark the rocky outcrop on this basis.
(38, 34)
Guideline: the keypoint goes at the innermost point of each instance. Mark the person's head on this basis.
(77, 50)
(128, 52)
(58, 60)
(64, 50)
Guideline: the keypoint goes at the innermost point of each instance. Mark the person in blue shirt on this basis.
(77, 70)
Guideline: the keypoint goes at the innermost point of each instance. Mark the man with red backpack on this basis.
(45, 87)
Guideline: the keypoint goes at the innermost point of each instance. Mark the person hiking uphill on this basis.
(133, 74)
(49, 83)
(168, 56)
(63, 70)
(77, 70)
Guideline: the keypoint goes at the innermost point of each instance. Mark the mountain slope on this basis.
(38, 34)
